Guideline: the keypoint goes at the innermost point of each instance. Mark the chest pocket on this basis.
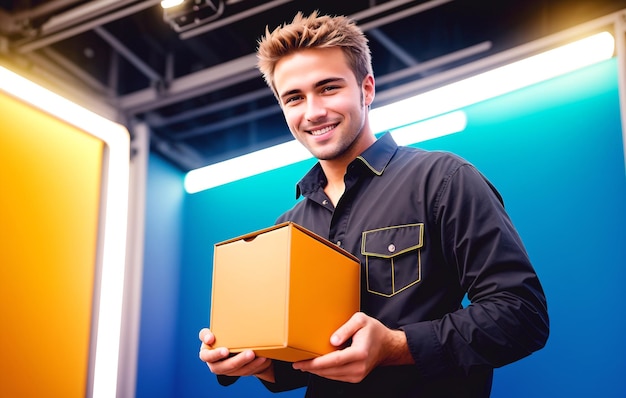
(392, 258)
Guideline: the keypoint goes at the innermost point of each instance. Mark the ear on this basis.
(369, 89)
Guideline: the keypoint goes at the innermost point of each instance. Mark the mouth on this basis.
(322, 130)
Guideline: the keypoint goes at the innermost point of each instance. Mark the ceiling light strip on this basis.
(498, 81)
(292, 152)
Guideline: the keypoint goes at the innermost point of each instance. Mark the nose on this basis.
(315, 109)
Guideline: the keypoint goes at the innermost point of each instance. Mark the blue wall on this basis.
(554, 151)
(158, 340)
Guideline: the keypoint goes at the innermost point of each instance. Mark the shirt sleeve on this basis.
(286, 378)
(507, 318)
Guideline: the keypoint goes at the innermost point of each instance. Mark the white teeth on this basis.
(322, 131)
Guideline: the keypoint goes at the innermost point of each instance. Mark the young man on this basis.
(427, 227)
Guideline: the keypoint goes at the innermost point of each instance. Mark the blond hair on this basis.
(314, 31)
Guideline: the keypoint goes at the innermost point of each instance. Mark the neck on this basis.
(335, 169)
(335, 191)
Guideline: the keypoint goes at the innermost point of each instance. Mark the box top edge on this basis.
(294, 225)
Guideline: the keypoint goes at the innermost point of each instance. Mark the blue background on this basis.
(555, 152)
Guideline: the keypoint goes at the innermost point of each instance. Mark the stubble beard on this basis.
(345, 144)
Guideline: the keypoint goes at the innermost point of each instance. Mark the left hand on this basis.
(373, 344)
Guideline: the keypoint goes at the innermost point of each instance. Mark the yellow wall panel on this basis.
(50, 179)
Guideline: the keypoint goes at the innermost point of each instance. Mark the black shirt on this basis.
(428, 229)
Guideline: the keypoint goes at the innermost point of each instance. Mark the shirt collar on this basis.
(376, 158)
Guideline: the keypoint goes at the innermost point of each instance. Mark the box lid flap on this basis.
(312, 234)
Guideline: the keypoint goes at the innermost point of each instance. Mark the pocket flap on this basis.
(392, 241)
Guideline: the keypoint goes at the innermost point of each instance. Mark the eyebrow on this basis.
(318, 84)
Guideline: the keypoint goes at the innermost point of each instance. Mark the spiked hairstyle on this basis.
(314, 31)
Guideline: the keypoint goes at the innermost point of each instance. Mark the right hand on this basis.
(246, 363)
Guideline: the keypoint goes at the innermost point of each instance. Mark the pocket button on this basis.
(391, 248)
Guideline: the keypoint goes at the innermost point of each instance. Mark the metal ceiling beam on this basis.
(45, 8)
(228, 123)
(372, 11)
(155, 120)
(435, 63)
(128, 54)
(192, 85)
(19, 20)
(393, 48)
(396, 16)
(228, 20)
(79, 14)
(244, 68)
(59, 75)
(46, 40)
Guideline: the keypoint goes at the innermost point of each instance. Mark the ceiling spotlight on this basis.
(171, 3)
(183, 15)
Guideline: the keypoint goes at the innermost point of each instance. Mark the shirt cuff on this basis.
(286, 377)
(429, 355)
(226, 380)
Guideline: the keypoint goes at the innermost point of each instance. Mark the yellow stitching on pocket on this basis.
(389, 259)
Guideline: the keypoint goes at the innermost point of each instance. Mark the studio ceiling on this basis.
(195, 84)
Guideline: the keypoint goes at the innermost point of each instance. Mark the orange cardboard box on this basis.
(282, 292)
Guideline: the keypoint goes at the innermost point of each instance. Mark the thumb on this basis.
(348, 329)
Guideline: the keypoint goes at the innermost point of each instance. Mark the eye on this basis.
(292, 99)
(327, 89)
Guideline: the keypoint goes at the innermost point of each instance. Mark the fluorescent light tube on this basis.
(440, 126)
(496, 82)
(292, 152)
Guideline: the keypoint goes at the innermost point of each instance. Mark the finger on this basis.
(247, 363)
(330, 368)
(242, 359)
(242, 364)
(340, 365)
(327, 361)
(348, 329)
(210, 355)
(206, 336)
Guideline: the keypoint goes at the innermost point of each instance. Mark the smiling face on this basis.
(326, 109)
